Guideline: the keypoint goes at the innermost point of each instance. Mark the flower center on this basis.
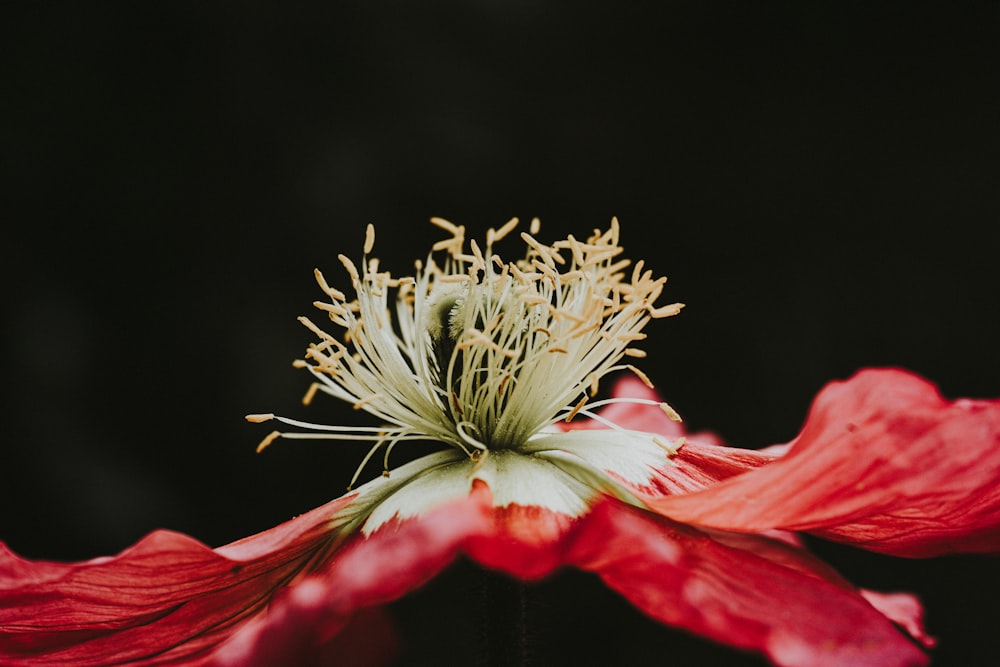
(481, 354)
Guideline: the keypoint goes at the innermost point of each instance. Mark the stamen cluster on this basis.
(477, 352)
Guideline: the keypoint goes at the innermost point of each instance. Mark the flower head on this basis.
(500, 362)
(485, 356)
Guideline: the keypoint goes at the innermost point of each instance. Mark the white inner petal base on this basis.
(561, 472)
(629, 455)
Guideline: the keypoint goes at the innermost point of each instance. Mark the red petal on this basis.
(783, 548)
(791, 608)
(883, 462)
(367, 640)
(397, 558)
(773, 598)
(168, 599)
(698, 466)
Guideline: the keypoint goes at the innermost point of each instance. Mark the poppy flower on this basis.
(501, 363)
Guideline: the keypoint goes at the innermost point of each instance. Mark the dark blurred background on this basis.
(818, 180)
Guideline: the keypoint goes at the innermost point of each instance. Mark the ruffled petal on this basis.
(903, 609)
(401, 555)
(883, 462)
(787, 605)
(167, 600)
(765, 595)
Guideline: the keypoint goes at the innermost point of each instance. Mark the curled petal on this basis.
(397, 558)
(903, 609)
(791, 608)
(166, 600)
(370, 571)
(774, 598)
(883, 462)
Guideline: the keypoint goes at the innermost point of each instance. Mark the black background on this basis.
(818, 180)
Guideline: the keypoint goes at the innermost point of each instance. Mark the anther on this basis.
(326, 289)
(642, 376)
(369, 238)
(310, 393)
(449, 227)
(670, 412)
(349, 265)
(492, 236)
(637, 271)
(576, 408)
(331, 308)
(260, 418)
(666, 311)
(266, 442)
(671, 448)
(315, 329)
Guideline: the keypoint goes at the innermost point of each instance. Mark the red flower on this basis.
(693, 533)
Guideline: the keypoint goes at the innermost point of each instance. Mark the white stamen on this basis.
(477, 353)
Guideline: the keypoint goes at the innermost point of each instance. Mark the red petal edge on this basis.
(168, 599)
(397, 558)
(763, 595)
(883, 462)
(773, 598)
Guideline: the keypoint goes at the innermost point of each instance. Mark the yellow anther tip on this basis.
(670, 412)
(262, 417)
(266, 442)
